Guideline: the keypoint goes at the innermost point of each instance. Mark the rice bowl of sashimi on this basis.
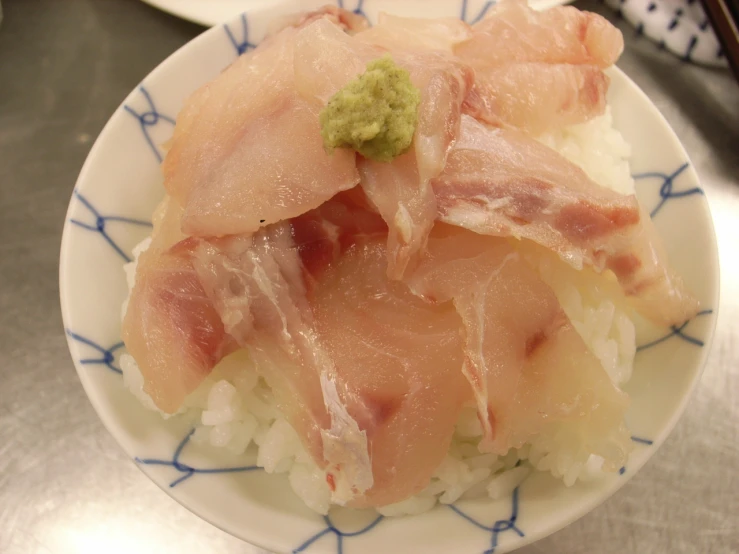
(341, 283)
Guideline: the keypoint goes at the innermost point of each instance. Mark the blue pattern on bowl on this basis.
(665, 190)
(101, 221)
(358, 9)
(242, 44)
(676, 331)
(188, 470)
(108, 359)
(148, 119)
(340, 535)
(500, 526)
(480, 14)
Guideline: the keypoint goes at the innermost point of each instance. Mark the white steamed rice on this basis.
(235, 409)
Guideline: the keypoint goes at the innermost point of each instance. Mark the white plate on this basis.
(116, 192)
(212, 12)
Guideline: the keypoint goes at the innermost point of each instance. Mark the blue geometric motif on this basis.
(189, 471)
(108, 358)
(500, 526)
(358, 10)
(340, 535)
(639, 440)
(100, 221)
(242, 45)
(665, 190)
(676, 331)
(483, 11)
(149, 119)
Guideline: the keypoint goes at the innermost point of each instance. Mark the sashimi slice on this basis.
(504, 183)
(247, 87)
(401, 190)
(172, 329)
(345, 20)
(366, 372)
(166, 219)
(409, 33)
(170, 326)
(532, 374)
(512, 32)
(401, 359)
(538, 97)
(247, 150)
(327, 59)
(539, 70)
(256, 286)
(444, 83)
(405, 202)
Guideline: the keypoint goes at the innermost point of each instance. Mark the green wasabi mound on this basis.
(375, 114)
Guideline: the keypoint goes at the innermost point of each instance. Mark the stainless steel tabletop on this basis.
(66, 487)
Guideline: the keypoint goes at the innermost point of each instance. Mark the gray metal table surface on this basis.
(66, 487)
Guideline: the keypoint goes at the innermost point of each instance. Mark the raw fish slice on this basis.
(401, 190)
(504, 183)
(166, 223)
(247, 149)
(538, 97)
(392, 353)
(171, 328)
(409, 33)
(345, 20)
(364, 390)
(256, 287)
(539, 70)
(522, 91)
(531, 372)
(327, 59)
(247, 87)
(401, 359)
(514, 33)
(405, 202)
(324, 234)
(444, 83)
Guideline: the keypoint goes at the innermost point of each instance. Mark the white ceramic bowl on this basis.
(117, 190)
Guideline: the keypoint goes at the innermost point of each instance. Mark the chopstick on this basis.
(724, 18)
